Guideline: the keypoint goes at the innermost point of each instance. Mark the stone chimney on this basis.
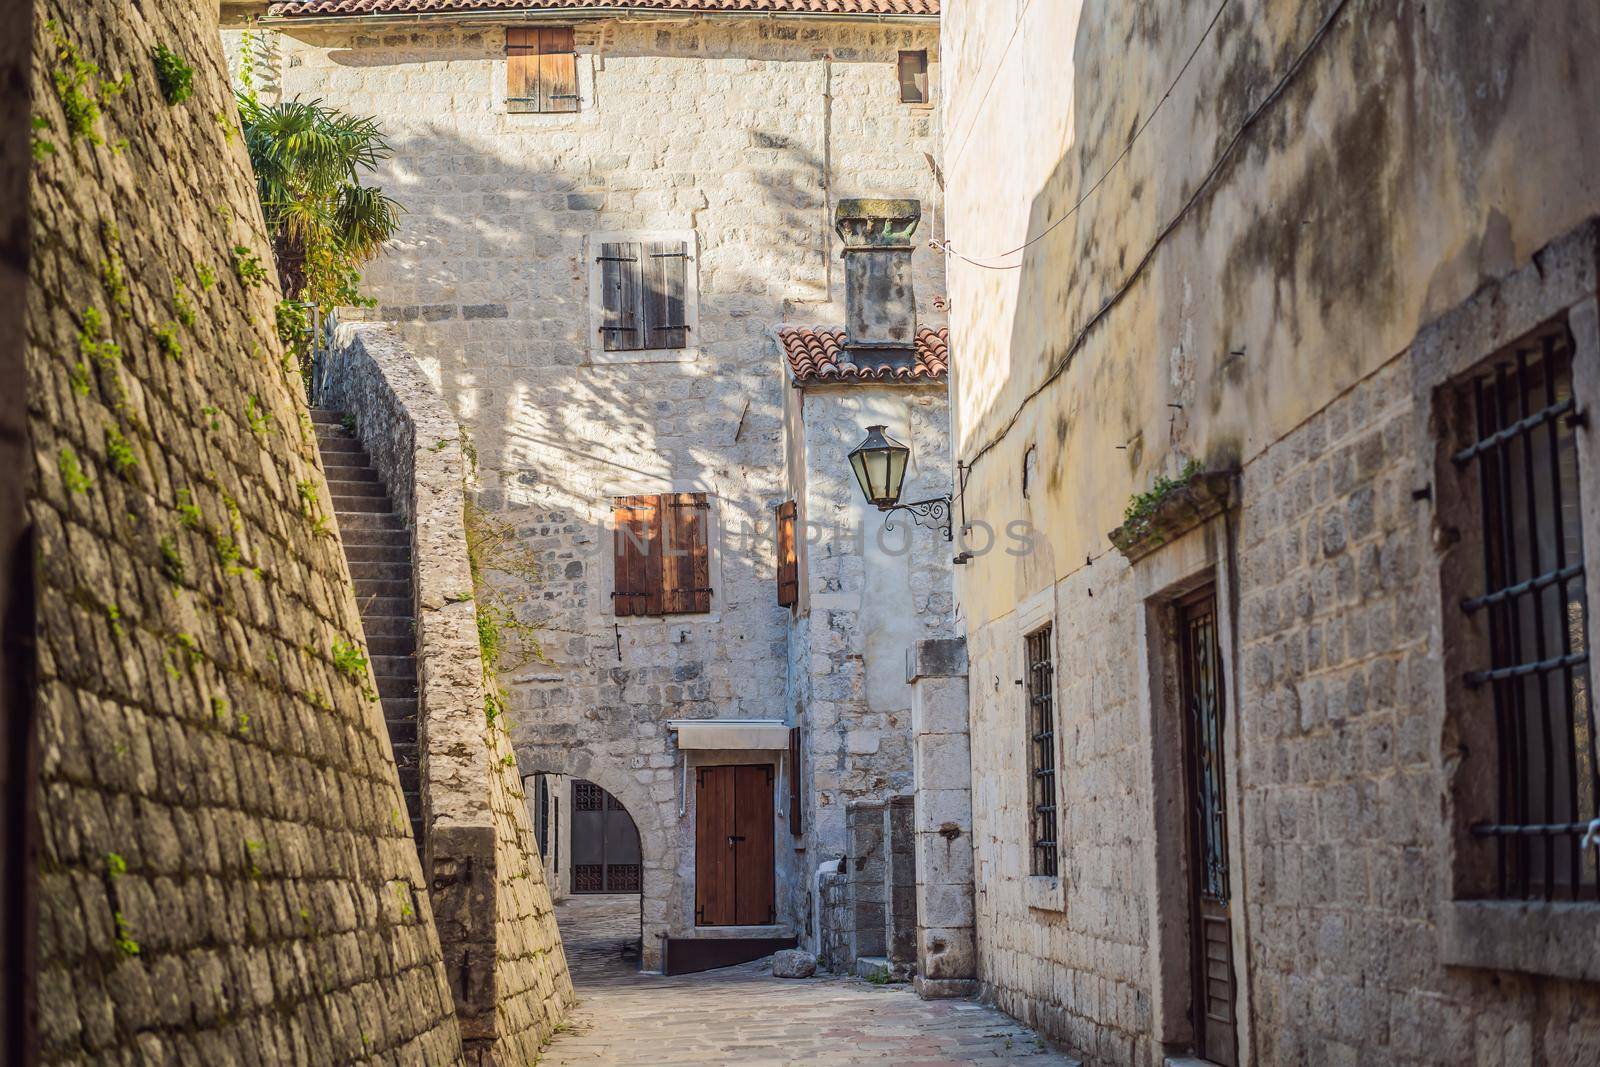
(880, 305)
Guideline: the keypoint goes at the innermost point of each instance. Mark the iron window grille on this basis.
(1533, 605)
(1041, 721)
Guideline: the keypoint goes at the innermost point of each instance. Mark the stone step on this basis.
(395, 667)
(403, 730)
(341, 446)
(326, 417)
(385, 607)
(383, 570)
(365, 522)
(349, 488)
(383, 587)
(380, 645)
(389, 545)
(363, 505)
(351, 474)
(397, 687)
(390, 626)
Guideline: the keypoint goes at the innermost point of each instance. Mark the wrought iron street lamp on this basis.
(879, 463)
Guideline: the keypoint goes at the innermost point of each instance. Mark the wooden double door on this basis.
(733, 846)
(1214, 986)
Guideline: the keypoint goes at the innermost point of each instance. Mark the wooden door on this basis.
(1215, 989)
(733, 840)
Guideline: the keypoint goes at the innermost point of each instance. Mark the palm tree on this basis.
(324, 223)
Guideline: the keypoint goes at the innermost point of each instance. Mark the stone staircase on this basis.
(378, 547)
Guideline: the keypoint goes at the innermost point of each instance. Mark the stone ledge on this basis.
(1561, 940)
(1203, 498)
(946, 988)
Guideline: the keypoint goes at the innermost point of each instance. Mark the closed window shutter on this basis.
(558, 69)
(636, 525)
(541, 69)
(619, 297)
(794, 781)
(666, 274)
(788, 561)
(686, 569)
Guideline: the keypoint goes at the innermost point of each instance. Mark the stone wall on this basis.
(742, 131)
(508, 971)
(226, 874)
(867, 595)
(1341, 760)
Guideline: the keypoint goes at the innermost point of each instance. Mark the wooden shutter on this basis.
(558, 69)
(666, 273)
(686, 567)
(541, 69)
(636, 524)
(794, 781)
(619, 297)
(788, 561)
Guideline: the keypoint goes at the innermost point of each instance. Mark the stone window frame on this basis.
(594, 346)
(931, 59)
(714, 546)
(1555, 938)
(1162, 578)
(1042, 892)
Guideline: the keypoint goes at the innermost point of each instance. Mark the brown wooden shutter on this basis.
(788, 560)
(666, 274)
(619, 297)
(686, 567)
(636, 522)
(522, 67)
(541, 69)
(558, 69)
(794, 781)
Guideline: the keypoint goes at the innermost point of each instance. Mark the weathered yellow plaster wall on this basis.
(1392, 175)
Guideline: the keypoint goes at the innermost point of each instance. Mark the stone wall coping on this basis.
(937, 657)
(415, 442)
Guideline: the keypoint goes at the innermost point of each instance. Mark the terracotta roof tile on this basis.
(291, 8)
(819, 355)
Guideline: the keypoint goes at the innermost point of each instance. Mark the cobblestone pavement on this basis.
(743, 1015)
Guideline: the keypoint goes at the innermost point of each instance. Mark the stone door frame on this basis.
(1199, 557)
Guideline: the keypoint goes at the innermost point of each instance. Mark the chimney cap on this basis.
(877, 222)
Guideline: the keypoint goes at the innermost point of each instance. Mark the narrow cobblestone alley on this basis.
(742, 1015)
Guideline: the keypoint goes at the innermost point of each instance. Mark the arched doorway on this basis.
(594, 865)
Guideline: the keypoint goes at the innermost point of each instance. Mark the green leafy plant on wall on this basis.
(1142, 508)
(80, 86)
(173, 74)
(72, 475)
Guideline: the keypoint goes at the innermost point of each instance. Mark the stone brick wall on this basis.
(1340, 759)
(867, 596)
(509, 974)
(743, 131)
(226, 873)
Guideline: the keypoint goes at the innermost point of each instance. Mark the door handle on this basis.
(733, 839)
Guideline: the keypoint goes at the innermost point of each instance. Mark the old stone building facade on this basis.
(558, 164)
(1264, 768)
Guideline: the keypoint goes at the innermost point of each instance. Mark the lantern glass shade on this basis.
(879, 463)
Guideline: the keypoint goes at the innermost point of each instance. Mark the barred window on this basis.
(1041, 723)
(1533, 609)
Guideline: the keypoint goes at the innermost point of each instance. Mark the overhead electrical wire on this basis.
(944, 246)
(1201, 190)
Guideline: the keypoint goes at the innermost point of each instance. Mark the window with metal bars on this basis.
(1533, 610)
(1041, 725)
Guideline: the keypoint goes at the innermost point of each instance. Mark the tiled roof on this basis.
(820, 356)
(291, 8)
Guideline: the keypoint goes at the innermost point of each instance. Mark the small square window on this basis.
(541, 70)
(914, 77)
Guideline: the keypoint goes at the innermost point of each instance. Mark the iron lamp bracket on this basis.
(934, 513)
